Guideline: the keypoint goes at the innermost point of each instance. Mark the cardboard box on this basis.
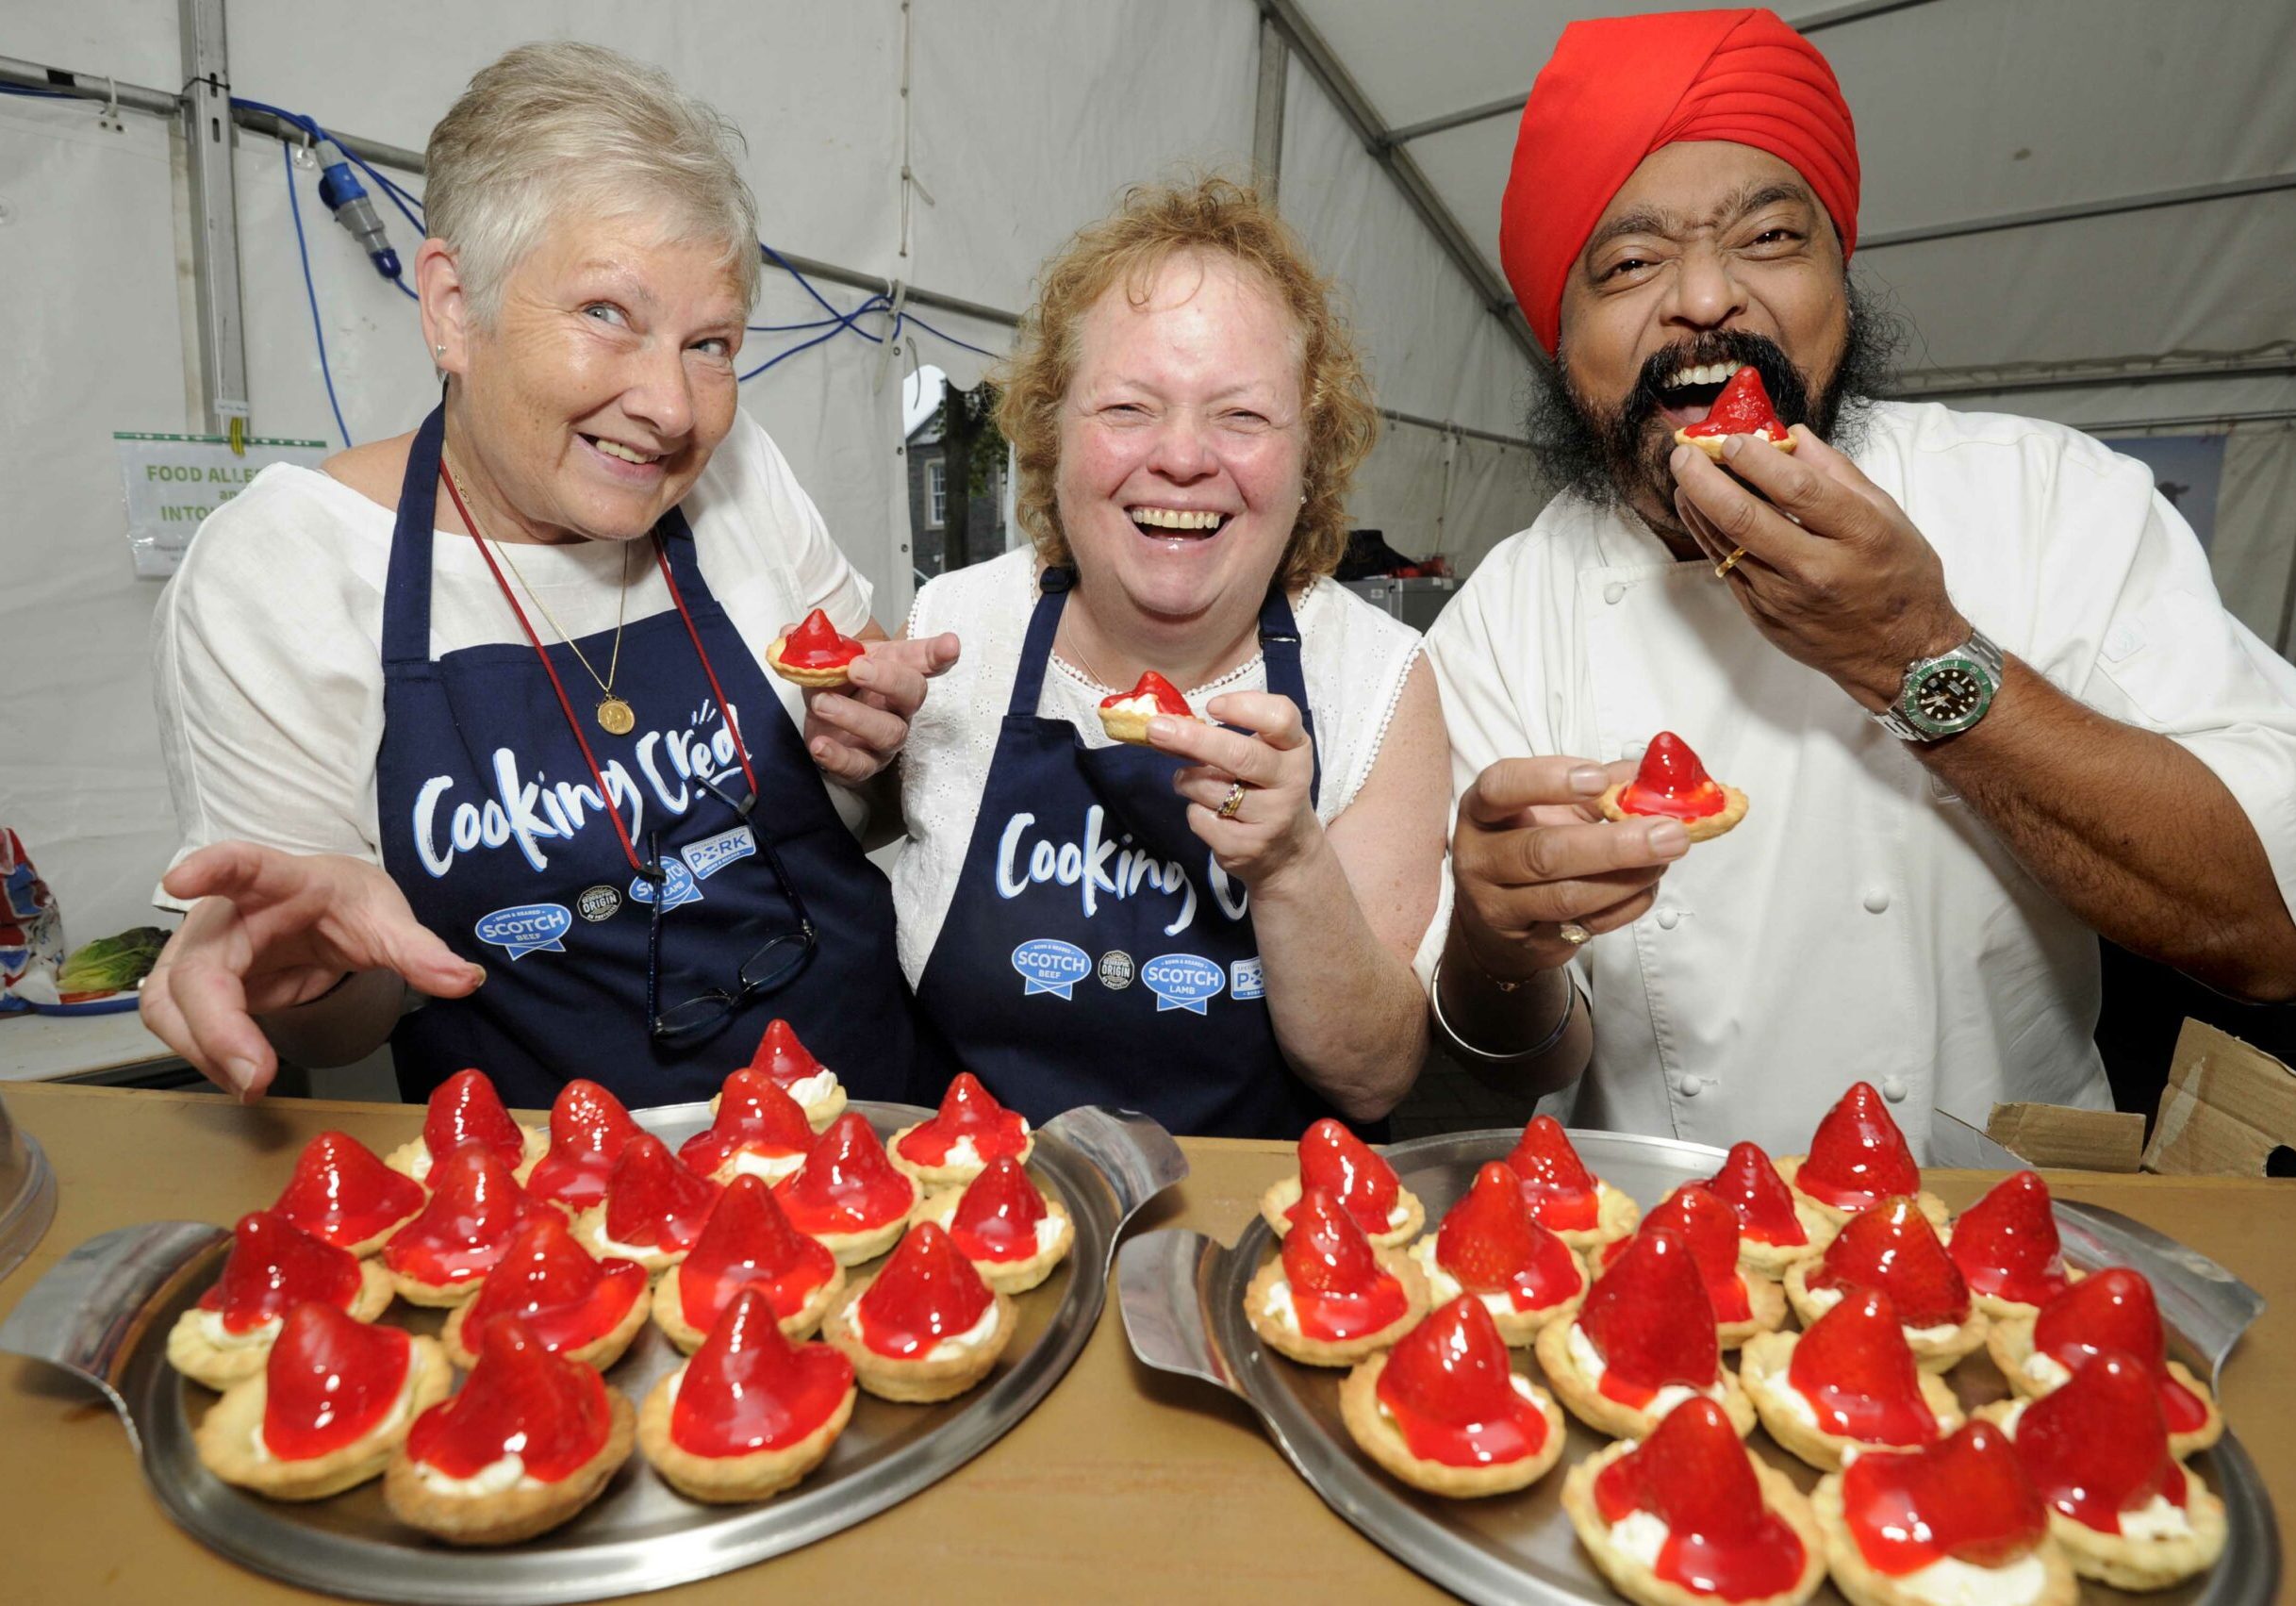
(2080, 1140)
(2228, 1110)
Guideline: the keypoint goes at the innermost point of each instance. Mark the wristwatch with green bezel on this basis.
(1945, 695)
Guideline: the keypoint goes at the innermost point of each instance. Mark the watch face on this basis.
(1948, 696)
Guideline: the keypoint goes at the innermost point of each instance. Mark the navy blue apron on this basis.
(1094, 953)
(493, 826)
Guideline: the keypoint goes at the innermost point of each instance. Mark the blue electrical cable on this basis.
(30, 94)
(907, 317)
(310, 289)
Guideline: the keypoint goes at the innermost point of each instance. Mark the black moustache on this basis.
(1789, 394)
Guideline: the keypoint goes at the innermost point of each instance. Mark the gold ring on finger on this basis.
(1233, 801)
(1573, 933)
(1728, 563)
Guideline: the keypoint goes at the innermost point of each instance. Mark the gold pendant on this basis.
(615, 718)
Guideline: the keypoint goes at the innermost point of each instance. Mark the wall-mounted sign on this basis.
(174, 481)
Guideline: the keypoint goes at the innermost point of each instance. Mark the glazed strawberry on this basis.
(1892, 1247)
(652, 1201)
(1452, 1394)
(781, 1056)
(1693, 1475)
(341, 1193)
(1151, 684)
(997, 1214)
(756, 1116)
(1489, 1244)
(566, 1298)
(1710, 1229)
(2115, 1310)
(1339, 1289)
(1855, 1371)
(1750, 1185)
(927, 1292)
(520, 1400)
(2098, 1446)
(1556, 1184)
(748, 1243)
(275, 1265)
(2006, 1244)
(749, 1389)
(1966, 1497)
(1342, 1165)
(846, 1184)
(1649, 1319)
(1857, 1155)
(1671, 781)
(968, 1111)
(465, 1108)
(817, 644)
(1742, 408)
(475, 1207)
(329, 1381)
(588, 1130)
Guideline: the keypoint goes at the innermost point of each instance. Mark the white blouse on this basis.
(1862, 922)
(1354, 657)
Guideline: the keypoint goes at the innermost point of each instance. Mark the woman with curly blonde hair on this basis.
(1217, 924)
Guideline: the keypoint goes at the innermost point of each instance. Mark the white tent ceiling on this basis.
(1021, 120)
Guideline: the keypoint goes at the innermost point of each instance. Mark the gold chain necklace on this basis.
(614, 716)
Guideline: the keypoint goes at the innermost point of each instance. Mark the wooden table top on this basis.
(1125, 1484)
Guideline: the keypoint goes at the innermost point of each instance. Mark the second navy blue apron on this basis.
(1093, 953)
(492, 827)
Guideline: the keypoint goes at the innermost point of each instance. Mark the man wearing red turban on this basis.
(1971, 670)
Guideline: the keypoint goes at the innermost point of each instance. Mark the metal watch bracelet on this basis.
(1546, 1045)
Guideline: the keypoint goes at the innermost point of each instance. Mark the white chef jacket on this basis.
(1862, 922)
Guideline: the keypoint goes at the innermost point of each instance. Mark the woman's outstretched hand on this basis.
(1271, 825)
(856, 732)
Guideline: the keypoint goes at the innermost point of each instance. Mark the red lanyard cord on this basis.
(740, 749)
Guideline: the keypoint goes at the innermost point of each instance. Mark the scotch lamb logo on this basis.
(527, 928)
(1183, 981)
(1047, 964)
(678, 887)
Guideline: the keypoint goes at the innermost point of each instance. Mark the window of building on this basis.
(936, 495)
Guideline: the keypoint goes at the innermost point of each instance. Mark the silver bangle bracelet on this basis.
(1546, 1045)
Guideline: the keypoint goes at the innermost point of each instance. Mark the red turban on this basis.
(1619, 88)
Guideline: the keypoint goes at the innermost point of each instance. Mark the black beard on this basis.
(1611, 457)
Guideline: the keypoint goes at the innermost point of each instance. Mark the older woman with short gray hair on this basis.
(489, 701)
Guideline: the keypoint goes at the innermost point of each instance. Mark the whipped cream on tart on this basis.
(273, 1266)
(530, 1440)
(1343, 1165)
(748, 1243)
(576, 1306)
(1847, 1385)
(1563, 1194)
(757, 1130)
(465, 1108)
(925, 1327)
(2127, 1512)
(1955, 1523)
(1445, 1412)
(1745, 1303)
(1488, 1246)
(1892, 1247)
(1328, 1297)
(1744, 407)
(588, 1130)
(751, 1414)
(653, 1210)
(2113, 1310)
(791, 1065)
(1671, 782)
(1643, 1345)
(970, 1130)
(334, 1400)
(1689, 1514)
(1775, 1227)
(849, 1194)
(1857, 1158)
(2007, 1248)
(440, 1257)
(341, 1194)
(1125, 715)
(815, 656)
(1012, 1231)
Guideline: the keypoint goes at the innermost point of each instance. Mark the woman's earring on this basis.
(442, 351)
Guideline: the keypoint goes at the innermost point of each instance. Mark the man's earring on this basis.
(442, 351)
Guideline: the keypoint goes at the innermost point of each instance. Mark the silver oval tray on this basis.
(1181, 1295)
(103, 1312)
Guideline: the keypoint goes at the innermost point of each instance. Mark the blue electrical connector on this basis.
(340, 188)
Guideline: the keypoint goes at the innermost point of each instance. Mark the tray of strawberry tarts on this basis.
(1566, 1366)
(629, 1350)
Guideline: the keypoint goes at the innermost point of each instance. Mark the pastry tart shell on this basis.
(1642, 1585)
(1311, 1351)
(919, 1381)
(799, 1325)
(812, 679)
(1770, 1355)
(1006, 1276)
(1284, 1193)
(220, 1366)
(1518, 1327)
(1930, 1354)
(1789, 1167)
(1585, 1399)
(221, 1438)
(1381, 1440)
(2010, 1345)
(944, 1175)
(1866, 1586)
(1703, 829)
(404, 1158)
(732, 1480)
(600, 1352)
(509, 1514)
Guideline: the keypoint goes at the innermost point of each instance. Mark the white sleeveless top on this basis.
(1354, 658)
